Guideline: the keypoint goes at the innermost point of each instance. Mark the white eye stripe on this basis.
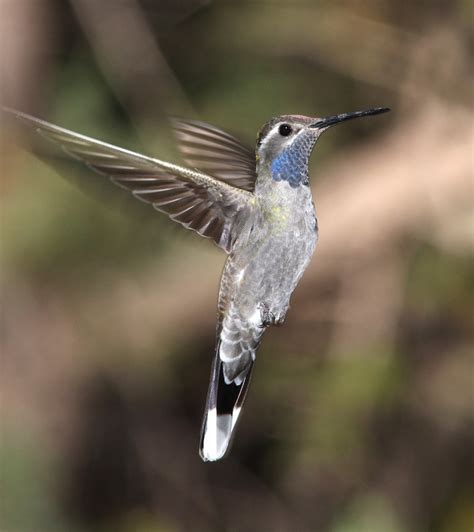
(274, 132)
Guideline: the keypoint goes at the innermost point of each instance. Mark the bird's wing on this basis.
(212, 150)
(195, 200)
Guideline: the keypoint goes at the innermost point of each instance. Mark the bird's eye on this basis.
(285, 130)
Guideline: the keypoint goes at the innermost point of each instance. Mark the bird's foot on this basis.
(279, 320)
(268, 317)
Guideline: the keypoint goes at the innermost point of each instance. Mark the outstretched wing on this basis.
(195, 200)
(212, 150)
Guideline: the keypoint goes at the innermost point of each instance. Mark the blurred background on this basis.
(359, 417)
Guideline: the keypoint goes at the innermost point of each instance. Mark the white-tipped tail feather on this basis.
(224, 403)
(237, 343)
(217, 434)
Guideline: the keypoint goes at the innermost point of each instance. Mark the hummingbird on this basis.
(256, 205)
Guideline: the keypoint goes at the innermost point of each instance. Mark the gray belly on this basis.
(268, 269)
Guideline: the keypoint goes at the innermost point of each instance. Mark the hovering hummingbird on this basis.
(256, 206)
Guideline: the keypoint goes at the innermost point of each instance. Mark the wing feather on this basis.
(194, 199)
(212, 150)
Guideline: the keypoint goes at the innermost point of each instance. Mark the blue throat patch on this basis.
(292, 163)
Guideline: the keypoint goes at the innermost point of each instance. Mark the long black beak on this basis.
(331, 120)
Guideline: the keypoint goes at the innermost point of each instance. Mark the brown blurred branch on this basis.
(131, 58)
(25, 44)
(357, 45)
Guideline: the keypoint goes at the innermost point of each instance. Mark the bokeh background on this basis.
(359, 417)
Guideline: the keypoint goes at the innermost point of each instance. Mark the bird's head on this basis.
(284, 144)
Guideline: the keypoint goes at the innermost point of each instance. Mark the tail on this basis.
(223, 406)
(230, 378)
